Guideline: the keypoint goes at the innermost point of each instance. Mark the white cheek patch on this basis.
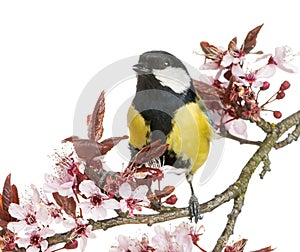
(175, 78)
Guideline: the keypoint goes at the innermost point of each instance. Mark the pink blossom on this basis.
(182, 236)
(98, 201)
(252, 78)
(30, 215)
(229, 59)
(82, 231)
(209, 66)
(35, 240)
(133, 200)
(180, 240)
(63, 184)
(163, 240)
(283, 56)
(132, 245)
(237, 127)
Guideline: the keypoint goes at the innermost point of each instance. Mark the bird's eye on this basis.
(167, 63)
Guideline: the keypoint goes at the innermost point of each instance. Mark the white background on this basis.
(49, 51)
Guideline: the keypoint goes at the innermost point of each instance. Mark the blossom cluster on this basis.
(181, 239)
(240, 76)
(69, 200)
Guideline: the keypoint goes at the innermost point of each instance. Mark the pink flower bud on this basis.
(280, 95)
(265, 85)
(171, 200)
(277, 114)
(71, 244)
(285, 85)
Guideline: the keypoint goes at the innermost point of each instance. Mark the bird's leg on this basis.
(194, 207)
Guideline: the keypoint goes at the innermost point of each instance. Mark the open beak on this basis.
(141, 69)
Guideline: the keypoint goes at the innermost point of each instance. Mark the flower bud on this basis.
(285, 85)
(280, 95)
(71, 244)
(277, 114)
(265, 85)
(171, 200)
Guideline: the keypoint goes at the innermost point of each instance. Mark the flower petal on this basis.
(23, 242)
(140, 192)
(33, 249)
(209, 66)
(17, 226)
(123, 206)
(44, 245)
(125, 190)
(237, 70)
(239, 128)
(227, 60)
(47, 232)
(17, 211)
(98, 213)
(288, 67)
(266, 71)
(111, 204)
(85, 207)
(88, 188)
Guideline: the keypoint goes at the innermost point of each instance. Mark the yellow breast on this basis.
(189, 137)
(191, 134)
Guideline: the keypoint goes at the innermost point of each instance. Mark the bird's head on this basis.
(166, 68)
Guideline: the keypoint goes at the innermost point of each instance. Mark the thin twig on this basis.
(266, 168)
(228, 135)
(290, 138)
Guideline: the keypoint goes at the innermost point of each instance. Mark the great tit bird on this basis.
(166, 107)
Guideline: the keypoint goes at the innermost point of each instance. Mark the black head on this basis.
(165, 69)
(157, 60)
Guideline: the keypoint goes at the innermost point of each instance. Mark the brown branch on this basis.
(266, 168)
(290, 138)
(232, 217)
(247, 172)
(235, 191)
(227, 134)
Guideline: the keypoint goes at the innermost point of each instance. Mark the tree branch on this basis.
(232, 217)
(227, 134)
(235, 191)
(290, 138)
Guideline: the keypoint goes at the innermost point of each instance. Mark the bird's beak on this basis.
(141, 69)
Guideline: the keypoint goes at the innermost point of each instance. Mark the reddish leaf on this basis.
(9, 195)
(95, 127)
(4, 215)
(7, 192)
(240, 245)
(107, 144)
(14, 195)
(207, 92)
(67, 204)
(232, 44)
(149, 152)
(70, 139)
(86, 149)
(164, 192)
(250, 40)
(267, 249)
(211, 52)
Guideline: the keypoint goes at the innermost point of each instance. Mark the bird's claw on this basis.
(194, 209)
